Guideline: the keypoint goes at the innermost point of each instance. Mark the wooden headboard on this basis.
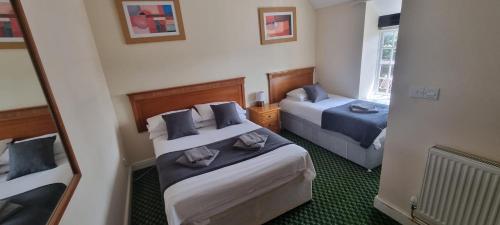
(151, 103)
(282, 82)
(26, 123)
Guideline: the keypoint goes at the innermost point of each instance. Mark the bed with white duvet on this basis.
(304, 118)
(61, 174)
(250, 192)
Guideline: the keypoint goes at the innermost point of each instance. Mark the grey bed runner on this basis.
(37, 205)
(171, 172)
(362, 127)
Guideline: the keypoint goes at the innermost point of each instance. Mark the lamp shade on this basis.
(259, 96)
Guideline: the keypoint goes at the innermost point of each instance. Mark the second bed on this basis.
(304, 119)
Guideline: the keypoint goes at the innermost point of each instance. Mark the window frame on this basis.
(380, 63)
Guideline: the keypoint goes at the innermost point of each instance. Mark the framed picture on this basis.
(11, 35)
(151, 21)
(277, 25)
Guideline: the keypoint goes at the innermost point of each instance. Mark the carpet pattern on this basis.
(343, 194)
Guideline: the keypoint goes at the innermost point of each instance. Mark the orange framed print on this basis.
(151, 21)
(11, 35)
(277, 25)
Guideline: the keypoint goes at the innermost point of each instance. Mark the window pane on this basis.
(385, 85)
(382, 86)
(387, 54)
(388, 39)
(385, 70)
(394, 55)
(395, 39)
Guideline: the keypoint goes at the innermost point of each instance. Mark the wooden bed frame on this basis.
(254, 211)
(26, 123)
(282, 82)
(151, 103)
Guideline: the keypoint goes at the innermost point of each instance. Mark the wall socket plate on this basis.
(428, 93)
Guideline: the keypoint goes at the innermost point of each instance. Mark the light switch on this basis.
(425, 93)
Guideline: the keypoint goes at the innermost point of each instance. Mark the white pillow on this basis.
(206, 112)
(3, 144)
(3, 151)
(157, 126)
(294, 98)
(298, 94)
(4, 169)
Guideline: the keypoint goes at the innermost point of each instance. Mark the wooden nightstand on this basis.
(267, 116)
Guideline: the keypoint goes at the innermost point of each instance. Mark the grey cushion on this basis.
(31, 157)
(315, 93)
(226, 115)
(180, 124)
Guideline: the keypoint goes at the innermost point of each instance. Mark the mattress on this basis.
(312, 112)
(196, 199)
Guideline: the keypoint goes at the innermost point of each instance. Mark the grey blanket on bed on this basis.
(37, 205)
(362, 127)
(171, 172)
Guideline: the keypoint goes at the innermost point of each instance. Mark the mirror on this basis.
(38, 171)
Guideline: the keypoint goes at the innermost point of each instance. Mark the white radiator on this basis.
(459, 189)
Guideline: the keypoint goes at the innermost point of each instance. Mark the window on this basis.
(387, 55)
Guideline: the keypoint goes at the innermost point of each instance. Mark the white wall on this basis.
(453, 45)
(339, 47)
(19, 86)
(370, 55)
(70, 58)
(222, 42)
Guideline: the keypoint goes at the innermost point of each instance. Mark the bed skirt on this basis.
(267, 206)
(332, 141)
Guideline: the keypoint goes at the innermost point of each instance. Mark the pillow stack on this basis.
(31, 156)
(185, 122)
(226, 115)
(315, 93)
(180, 124)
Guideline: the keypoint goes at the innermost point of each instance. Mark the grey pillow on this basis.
(180, 124)
(31, 157)
(315, 93)
(226, 115)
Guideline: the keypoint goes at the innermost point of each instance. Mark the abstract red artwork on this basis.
(277, 24)
(10, 31)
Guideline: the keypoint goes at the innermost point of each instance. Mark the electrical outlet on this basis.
(425, 93)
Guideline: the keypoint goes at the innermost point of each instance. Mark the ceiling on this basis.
(383, 7)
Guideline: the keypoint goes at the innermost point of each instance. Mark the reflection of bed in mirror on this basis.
(39, 172)
(36, 193)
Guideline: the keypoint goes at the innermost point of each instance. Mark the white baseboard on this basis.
(143, 164)
(126, 219)
(393, 212)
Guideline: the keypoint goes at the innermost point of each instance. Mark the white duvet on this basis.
(196, 199)
(312, 112)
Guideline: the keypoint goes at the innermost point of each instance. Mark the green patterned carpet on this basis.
(343, 194)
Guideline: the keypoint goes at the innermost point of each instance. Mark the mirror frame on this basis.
(58, 212)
